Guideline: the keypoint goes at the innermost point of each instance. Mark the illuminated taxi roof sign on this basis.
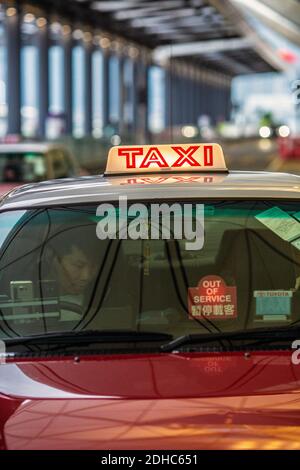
(175, 158)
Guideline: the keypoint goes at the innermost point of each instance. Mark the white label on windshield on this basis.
(275, 318)
(281, 223)
(273, 303)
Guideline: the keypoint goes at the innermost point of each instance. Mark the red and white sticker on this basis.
(213, 299)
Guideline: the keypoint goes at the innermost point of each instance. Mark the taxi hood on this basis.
(171, 401)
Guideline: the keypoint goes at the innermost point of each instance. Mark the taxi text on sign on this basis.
(212, 298)
(166, 158)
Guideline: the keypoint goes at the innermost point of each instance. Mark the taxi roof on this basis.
(24, 147)
(179, 186)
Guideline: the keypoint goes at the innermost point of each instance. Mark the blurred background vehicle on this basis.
(289, 147)
(32, 162)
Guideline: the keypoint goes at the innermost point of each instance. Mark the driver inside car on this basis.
(74, 269)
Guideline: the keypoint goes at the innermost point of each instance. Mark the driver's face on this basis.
(75, 271)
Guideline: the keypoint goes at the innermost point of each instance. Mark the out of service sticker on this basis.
(213, 299)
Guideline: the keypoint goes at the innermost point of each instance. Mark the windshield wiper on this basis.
(89, 337)
(260, 335)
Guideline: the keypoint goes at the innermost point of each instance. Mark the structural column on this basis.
(228, 102)
(172, 93)
(134, 97)
(196, 97)
(129, 89)
(178, 112)
(142, 105)
(105, 89)
(88, 111)
(223, 104)
(169, 101)
(182, 99)
(187, 93)
(127, 96)
(122, 94)
(197, 100)
(186, 100)
(68, 98)
(209, 102)
(202, 98)
(193, 98)
(13, 28)
(220, 103)
(43, 48)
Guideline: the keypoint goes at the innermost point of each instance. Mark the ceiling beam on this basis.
(114, 5)
(273, 18)
(229, 10)
(141, 11)
(165, 16)
(236, 67)
(163, 53)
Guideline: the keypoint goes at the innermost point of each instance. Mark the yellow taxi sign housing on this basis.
(173, 158)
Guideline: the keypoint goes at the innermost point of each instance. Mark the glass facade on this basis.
(78, 85)
(65, 100)
(56, 67)
(157, 99)
(29, 90)
(97, 93)
(128, 110)
(29, 76)
(253, 96)
(114, 90)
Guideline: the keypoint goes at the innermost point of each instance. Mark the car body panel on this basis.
(158, 401)
(93, 189)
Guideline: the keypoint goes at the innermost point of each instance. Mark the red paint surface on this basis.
(172, 401)
(5, 187)
(289, 147)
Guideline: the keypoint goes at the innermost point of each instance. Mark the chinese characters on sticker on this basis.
(213, 299)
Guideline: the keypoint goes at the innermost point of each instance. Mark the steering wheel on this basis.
(63, 305)
(163, 317)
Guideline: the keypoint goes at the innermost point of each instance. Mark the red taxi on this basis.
(156, 306)
(289, 147)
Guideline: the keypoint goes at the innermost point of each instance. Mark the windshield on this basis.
(57, 275)
(22, 167)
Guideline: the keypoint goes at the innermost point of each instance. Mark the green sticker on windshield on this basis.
(273, 304)
(296, 243)
(281, 223)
